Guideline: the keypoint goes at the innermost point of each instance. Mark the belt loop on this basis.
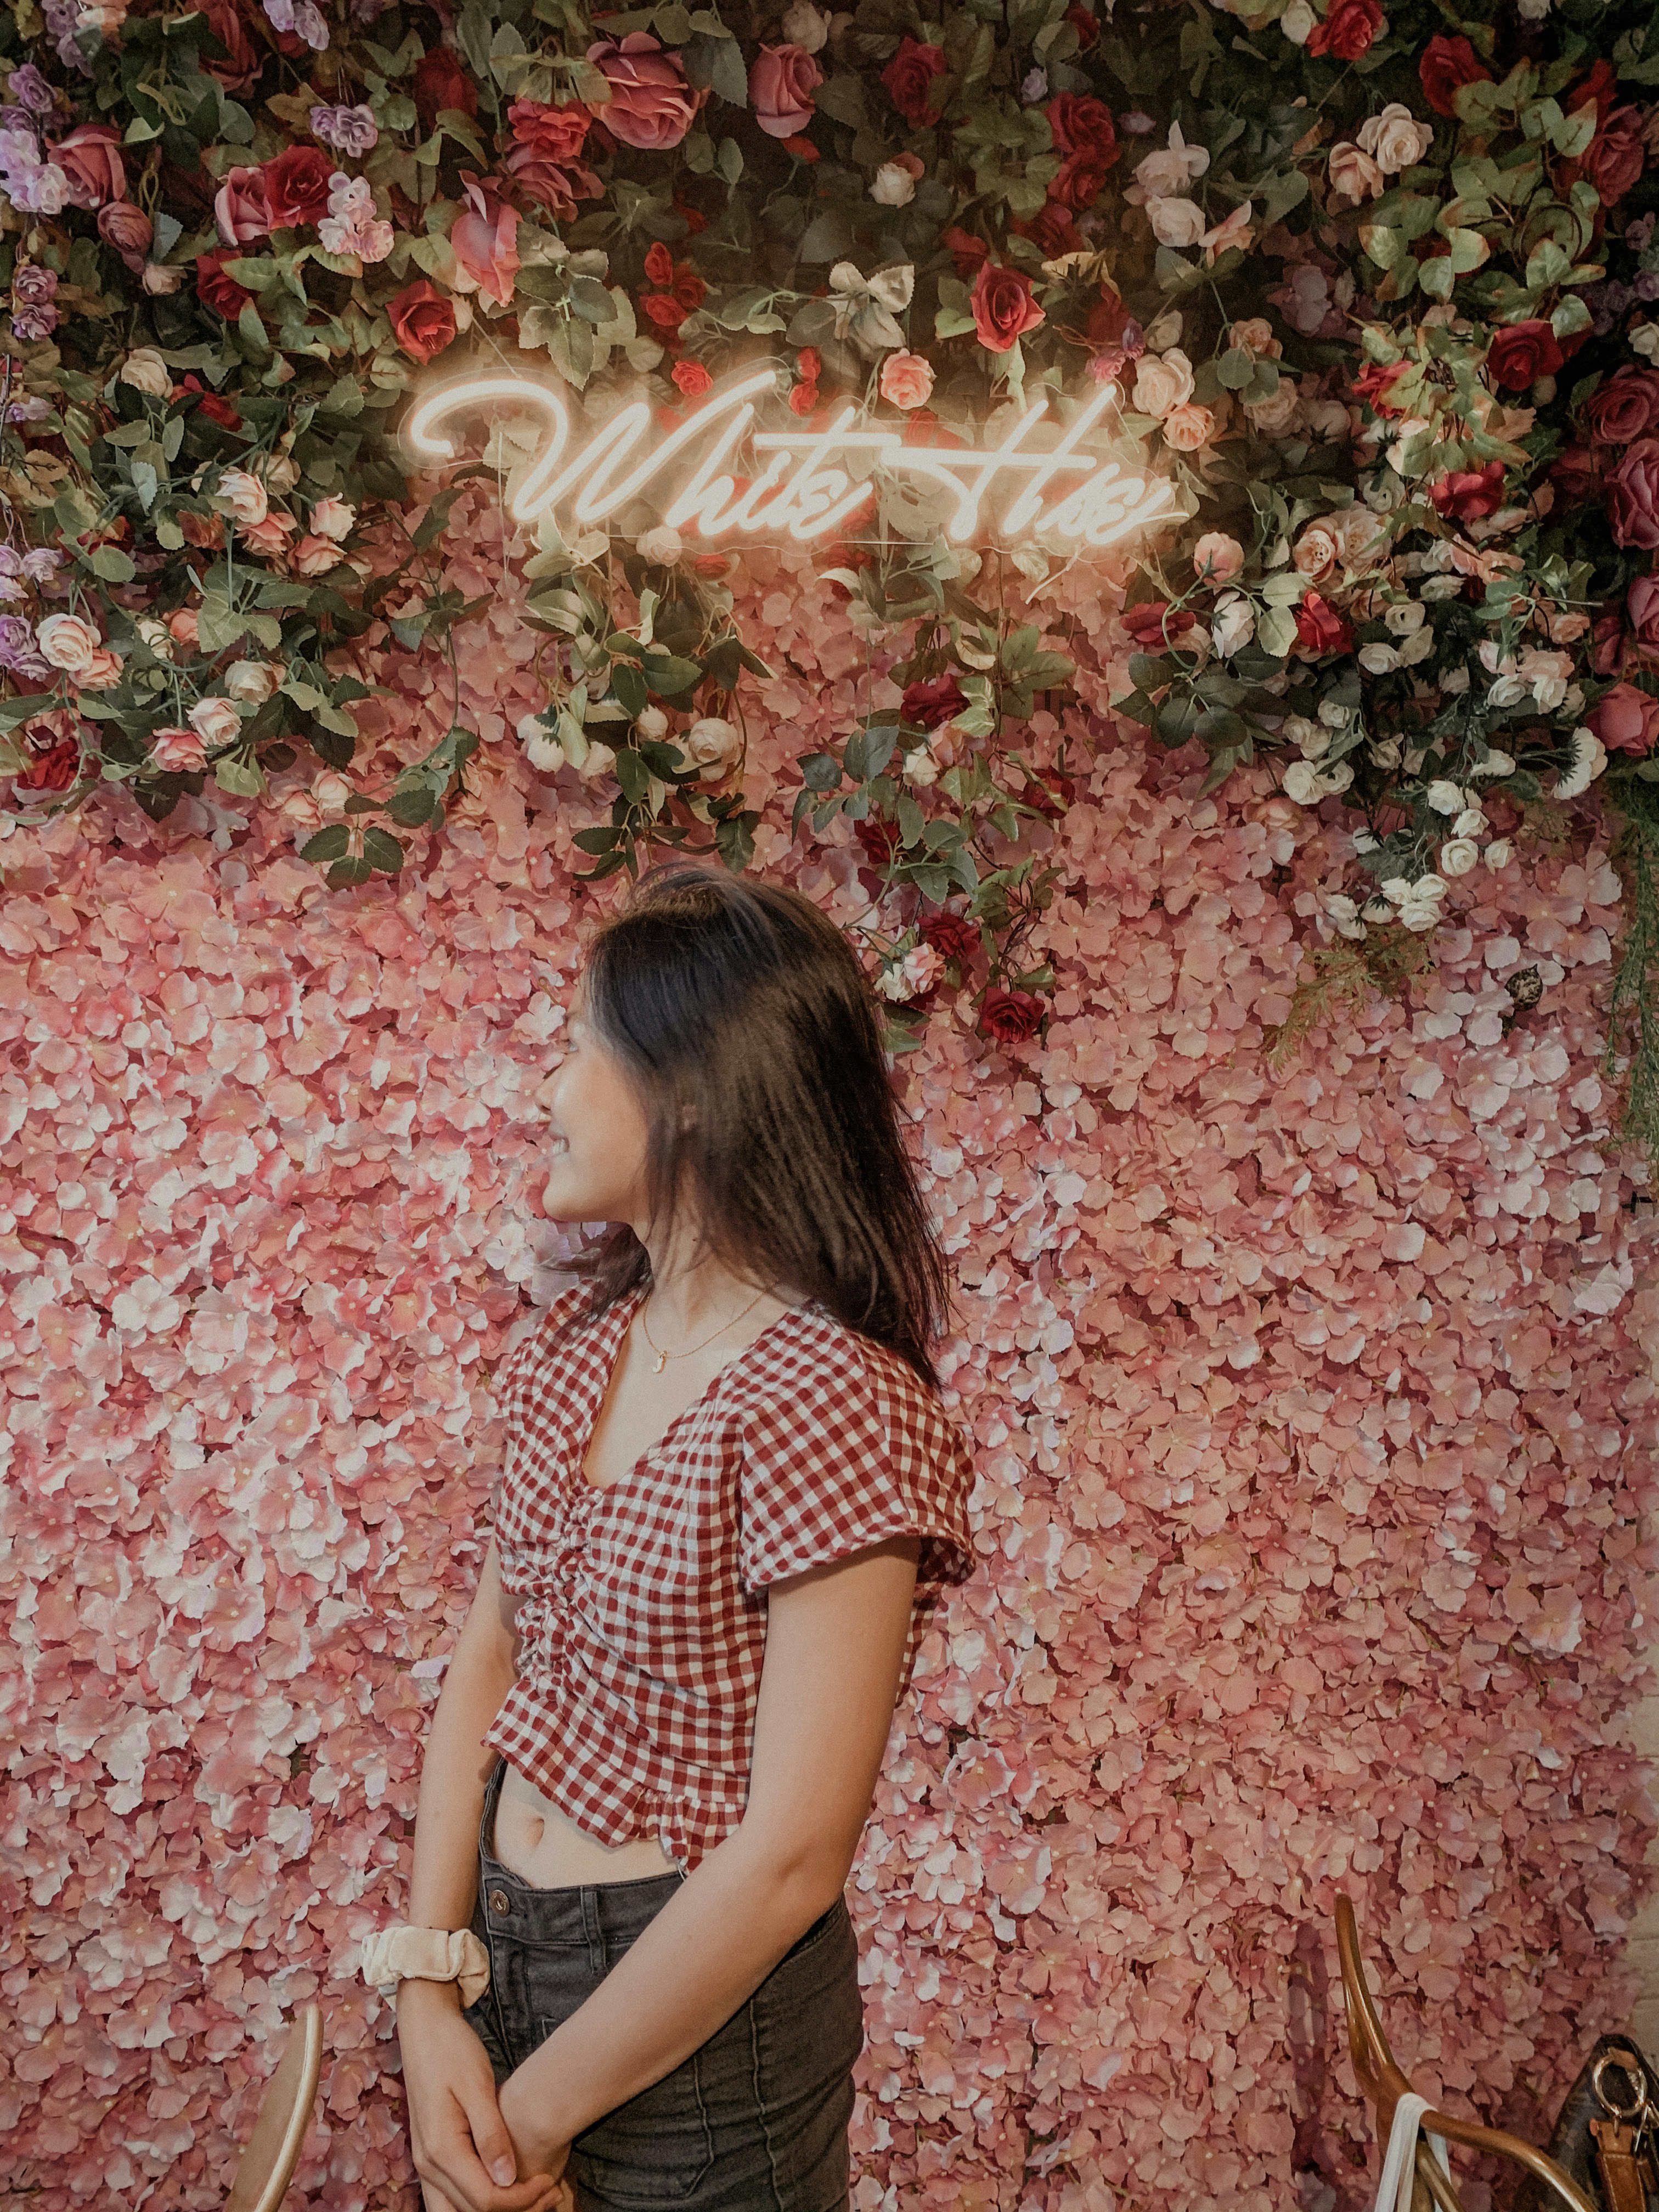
(487, 1813)
(592, 1930)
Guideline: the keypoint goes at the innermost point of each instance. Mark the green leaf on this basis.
(667, 674)
(330, 844)
(591, 299)
(239, 776)
(382, 852)
(110, 563)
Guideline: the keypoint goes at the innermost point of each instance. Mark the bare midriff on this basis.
(545, 1848)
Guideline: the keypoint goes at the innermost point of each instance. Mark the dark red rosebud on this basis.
(929, 705)
(951, 936)
(1347, 30)
(659, 265)
(1154, 624)
(214, 289)
(440, 81)
(908, 77)
(1470, 495)
(692, 378)
(1320, 629)
(1520, 353)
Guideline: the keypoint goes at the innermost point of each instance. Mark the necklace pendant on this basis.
(662, 1362)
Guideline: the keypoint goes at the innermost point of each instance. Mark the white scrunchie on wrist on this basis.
(426, 1954)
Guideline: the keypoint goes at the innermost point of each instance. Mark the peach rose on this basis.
(101, 671)
(1189, 428)
(1354, 175)
(781, 83)
(1255, 336)
(651, 105)
(176, 752)
(1163, 382)
(242, 497)
(906, 381)
(1223, 556)
(216, 721)
(90, 157)
(315, 556)
(1316, 553)
(67, 642)
(1396, 140)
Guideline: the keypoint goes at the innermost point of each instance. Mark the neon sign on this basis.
(809, 483)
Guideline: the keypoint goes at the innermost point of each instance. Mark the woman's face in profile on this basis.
(598, 1133)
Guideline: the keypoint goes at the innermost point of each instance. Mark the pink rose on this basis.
(90, 157)
(128, 229)
(906, 381)
(239, 207)
(485, 239)
(1189, 428)
(1634, 496)
(781, 83)
(216, 721)
(176, 752)
(1626, 721)
(315, 556)
(1642, 605)
(651, 104)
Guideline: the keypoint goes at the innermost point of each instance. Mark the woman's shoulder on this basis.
(821, 1368)
(554, 1337)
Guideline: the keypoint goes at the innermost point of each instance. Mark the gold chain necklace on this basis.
(663, 1357)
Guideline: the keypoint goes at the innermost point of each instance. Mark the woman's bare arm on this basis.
(457, 1765)
(835, 1651)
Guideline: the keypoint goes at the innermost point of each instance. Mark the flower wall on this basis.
(1310, 1399)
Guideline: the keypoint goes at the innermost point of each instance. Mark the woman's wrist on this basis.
(529, 2108)
(415, 1997)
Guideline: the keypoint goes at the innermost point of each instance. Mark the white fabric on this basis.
(1400, 2161)
(426, 1954)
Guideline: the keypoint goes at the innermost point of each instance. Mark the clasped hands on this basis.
(475, 2150)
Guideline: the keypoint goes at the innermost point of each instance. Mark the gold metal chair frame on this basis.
(1383, 2085)
(267, 2164)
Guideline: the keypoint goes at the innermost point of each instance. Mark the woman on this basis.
(730, 1499)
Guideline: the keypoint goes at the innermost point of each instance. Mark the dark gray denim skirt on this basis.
(755, 2120)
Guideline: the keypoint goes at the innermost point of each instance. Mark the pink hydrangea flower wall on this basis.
(1313, 1423)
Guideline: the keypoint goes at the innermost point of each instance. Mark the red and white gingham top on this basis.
(642, 1614)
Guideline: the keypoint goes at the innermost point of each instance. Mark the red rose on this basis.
(1447, 65)
(1469, 494)
(659, 265)
(240, 65)
(440, 82)
(969, 253)
(692, 378)
(1010, 1017)
(1634, 496)
(781, 83)
(1608, 645)
(1051, 230)
(951, 936)
(54, 756)
(556, 133)
(1078, 120)
(1625, 720)
(930, 704)
(1374, 384)
(1521, 353)
(422, 320)
(214, 289)
(908, 77)
(1082, 177)
(211, 404)
(1642, 605)
(1088, 31)
(296, 186)
(1319, 628)
(1617, 157)
(809, 364)
(689, 288)
(664, 311)
(803, 399)
(1625, 408)
(879, 839)
(1154, 625)
(1004, 309)
(1598, 91)
(1347, 30)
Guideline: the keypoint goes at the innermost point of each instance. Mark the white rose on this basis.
(1311, 738)
(1418, 649)
(216, 721)
(1469, 824)
(893, 186)
(1430, 887)
(1420, 915)
(1498, 854)
(1404, 619)
(333, 519)
(1396, 140)
(1164, 332)
(805, 28)
(146, 372)
(281, 473)
(1175, 221)
(1337, 778)
(1354, 176)
(241, 496)
(713, 744)
(920, 768)
(542, 748)
(1303, 783)
(1458, 855)
(67, 642)
(1444, 797)
(651, 722)
(661, 546)
(1297, 21)
(1495, 764)
(1234, 623)
(1397, 888)
(156, 636)
(1327, 418)
(1162, 383)
(1379, 659)
(600, 760)
(894, 984)
(1591, 757)
(1455, 681)
(1645, 341)
(158, 281)
(250, 681)
(1385, 753)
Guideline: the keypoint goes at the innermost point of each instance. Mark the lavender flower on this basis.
(348, 130)
(1034, 88)
(34, 323)
(301, 17)
(20, 654)
(34, 285)
(11, 560)
(42, 562)
(64, 21)
(29, 87)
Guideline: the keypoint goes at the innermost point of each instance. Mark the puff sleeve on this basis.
(848, 1449)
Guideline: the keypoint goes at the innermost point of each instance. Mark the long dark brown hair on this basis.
(742, 1014)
